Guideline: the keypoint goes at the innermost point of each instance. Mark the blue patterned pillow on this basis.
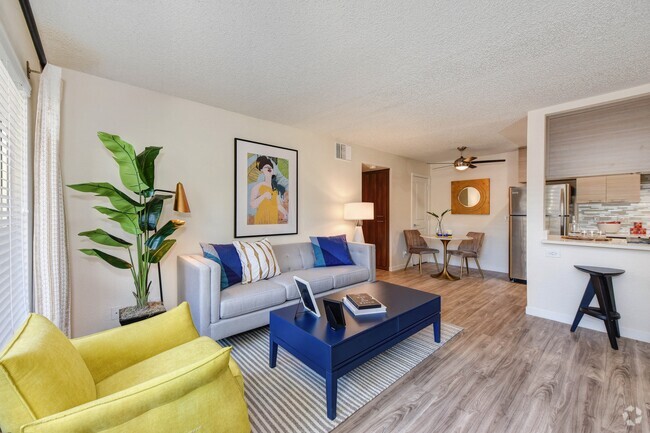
(227, 257)
(331, 251)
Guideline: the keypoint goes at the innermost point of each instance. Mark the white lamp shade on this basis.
(358, 211)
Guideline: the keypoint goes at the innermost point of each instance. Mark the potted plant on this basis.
(137, 213)
(439, 229)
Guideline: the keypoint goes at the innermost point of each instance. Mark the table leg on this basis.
(445, 267)
(436, 329)
(273, 353)
(331, 390)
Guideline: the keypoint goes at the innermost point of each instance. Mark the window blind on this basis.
(14, 207)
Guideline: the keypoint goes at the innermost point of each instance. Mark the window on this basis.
(14, 207)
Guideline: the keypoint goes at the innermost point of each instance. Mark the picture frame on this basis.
(334, 313)
(306, 296)
(266, 189)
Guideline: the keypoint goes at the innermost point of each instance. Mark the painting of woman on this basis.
(268, 196)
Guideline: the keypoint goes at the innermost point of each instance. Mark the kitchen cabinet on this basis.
(624, 188)
(523, 160)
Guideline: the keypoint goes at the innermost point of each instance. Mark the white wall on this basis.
(494, 254)
(555, 287)
(198, 151)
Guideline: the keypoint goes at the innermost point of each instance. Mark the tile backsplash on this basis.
(589, 214)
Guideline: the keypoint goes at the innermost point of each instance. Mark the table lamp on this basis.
(358, 212)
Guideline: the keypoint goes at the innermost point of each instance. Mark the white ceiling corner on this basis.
(415, 78)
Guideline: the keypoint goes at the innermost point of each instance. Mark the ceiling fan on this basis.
(464, 162)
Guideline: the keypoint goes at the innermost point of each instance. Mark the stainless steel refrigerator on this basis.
(517, 243)
(558, 208)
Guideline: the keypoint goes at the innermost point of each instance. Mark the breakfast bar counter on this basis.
(615, 243)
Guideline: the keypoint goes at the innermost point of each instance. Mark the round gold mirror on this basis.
(469, 196)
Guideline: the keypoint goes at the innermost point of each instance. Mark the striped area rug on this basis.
(291, 397)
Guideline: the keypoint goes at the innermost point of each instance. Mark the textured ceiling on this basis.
(416, 78)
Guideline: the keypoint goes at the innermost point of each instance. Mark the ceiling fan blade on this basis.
(487, 161)
(441, 163)
(472, 166)
(469, 158)
(444, 166)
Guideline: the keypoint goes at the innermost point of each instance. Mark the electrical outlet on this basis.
(404, 253)
(115, 313)
(554, 254)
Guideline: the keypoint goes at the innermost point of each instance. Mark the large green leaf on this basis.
(111, 260)
(124, 155)
(118, 199)
(127, 220)
(149, 216)
(146, 167)
(156, 255)
(104, 238)
(156, 240)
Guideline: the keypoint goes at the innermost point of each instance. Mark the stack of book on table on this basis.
(362, 303)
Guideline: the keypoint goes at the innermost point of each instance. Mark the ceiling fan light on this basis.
(461, 167)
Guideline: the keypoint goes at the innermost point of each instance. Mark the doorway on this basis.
(420, 203)
(375, 188)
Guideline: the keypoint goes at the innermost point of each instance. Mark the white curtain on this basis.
(51, 289)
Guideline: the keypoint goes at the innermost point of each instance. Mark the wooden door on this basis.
(375, 189)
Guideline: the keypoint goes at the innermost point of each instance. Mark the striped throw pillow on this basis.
(258, 261)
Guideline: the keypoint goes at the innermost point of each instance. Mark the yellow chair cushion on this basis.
(108, 352)
(201, 397)
(41, 373)
(170, 360)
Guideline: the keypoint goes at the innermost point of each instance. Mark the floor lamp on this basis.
(180, 205)
(358, 212)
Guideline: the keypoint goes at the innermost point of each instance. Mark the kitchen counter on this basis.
(613, 244)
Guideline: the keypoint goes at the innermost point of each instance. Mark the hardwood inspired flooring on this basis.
(508, 372)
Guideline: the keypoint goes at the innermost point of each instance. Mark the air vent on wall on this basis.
(343, 152)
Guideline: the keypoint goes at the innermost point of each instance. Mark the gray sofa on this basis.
(242, 307)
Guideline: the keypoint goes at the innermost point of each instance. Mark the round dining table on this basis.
(445, 267)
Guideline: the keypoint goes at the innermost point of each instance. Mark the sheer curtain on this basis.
(51, 288)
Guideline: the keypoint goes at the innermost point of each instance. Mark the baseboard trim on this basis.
(596, 325)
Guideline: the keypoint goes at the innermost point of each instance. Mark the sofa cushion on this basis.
(228, 258)
(258, 261)
(320, 280)
(41, 373)
(165, 362)
(246, 298)
(348, 275)
(331, 251)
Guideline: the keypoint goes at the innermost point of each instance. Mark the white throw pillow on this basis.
(258, 261)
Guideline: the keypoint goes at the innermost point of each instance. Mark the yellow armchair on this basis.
(151, 376)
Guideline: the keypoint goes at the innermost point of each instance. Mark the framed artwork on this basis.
(471, 197)
(266, 189)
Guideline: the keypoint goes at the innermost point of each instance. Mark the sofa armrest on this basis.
(203, 396)
(108, 352)
(364, 255)
(199, 283)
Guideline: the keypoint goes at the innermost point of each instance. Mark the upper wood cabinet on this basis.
(591, 189)
(624, 188)
(523, 160)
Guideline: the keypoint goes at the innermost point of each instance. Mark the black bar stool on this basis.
(600, 285)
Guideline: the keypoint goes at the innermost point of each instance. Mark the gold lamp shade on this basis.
(180, 199)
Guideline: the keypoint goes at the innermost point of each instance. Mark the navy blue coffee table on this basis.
(332, 353)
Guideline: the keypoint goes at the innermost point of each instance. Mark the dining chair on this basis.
(469, 249)
(415, 244)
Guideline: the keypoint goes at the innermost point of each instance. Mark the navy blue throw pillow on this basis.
(226, 255)
(331, 251)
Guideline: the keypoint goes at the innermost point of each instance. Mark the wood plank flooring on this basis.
(508, 372)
